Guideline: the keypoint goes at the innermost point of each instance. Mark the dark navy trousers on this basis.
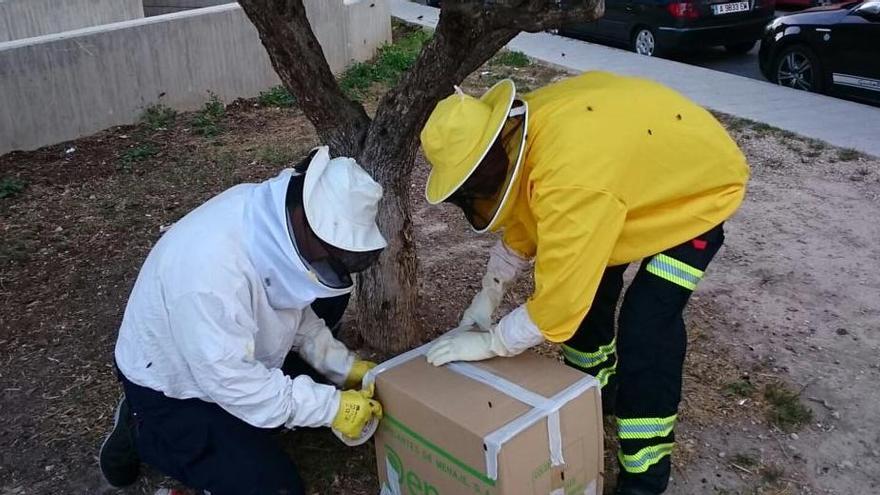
(205, 447)
(639, 367)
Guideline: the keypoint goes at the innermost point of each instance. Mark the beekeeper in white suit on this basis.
(221, 300)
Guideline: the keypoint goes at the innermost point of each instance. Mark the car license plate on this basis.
(730, 8)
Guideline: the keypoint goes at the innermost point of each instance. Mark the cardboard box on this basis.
(487, 428)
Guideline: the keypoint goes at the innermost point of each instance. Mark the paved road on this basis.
(718, 59)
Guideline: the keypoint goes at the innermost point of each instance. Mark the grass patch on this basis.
(792, 145)
(848, 155)
(276, 97)
(772, 474)
(739, 388)
(207, 120)
(786, 410)
(762, 128)
(158, 116)
(391, 61)
(744, 460)
(137, 154)
(511, 58)
(11, 187)
(785, 134)
(275, 155)
(734, 124)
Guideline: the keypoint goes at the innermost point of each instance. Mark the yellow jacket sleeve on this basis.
(577, 230)
(517, 239)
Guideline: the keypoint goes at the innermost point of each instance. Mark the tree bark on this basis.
(387, 293)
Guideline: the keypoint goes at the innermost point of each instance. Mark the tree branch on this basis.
(461, 44)
(299, 61)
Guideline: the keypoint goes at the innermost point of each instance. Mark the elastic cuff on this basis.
(311, 404)
(504, 263)
(333, 409)
(517, 332)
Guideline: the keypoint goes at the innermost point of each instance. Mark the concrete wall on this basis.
(29, 18)
(63, 86)
(347, 32)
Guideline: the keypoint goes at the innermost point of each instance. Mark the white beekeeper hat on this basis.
(341, 201)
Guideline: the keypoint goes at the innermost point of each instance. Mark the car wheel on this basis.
(740, 48)
(645, 43)
(798, 67)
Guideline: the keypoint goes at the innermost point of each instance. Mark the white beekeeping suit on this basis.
(223, 297)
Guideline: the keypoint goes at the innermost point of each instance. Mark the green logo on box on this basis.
(414, 485)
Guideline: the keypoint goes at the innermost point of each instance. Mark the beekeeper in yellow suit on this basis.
(585, 176)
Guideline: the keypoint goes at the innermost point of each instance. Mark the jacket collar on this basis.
(269, 244)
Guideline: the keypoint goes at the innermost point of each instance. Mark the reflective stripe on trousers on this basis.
(645, 458)
(677, 272)
(590, 362)
(645, 428)
(589, 359)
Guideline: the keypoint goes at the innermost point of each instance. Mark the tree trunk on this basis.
(387, 293)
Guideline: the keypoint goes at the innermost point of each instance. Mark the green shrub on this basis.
(137, 154)
(512, 59)
(786, 410)
(390, 62)
(740, 388)
(11, 187)
(276, 97)
(207, 120)
(158, 116)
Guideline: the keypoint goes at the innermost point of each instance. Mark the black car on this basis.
(832, 49)
(658, 27)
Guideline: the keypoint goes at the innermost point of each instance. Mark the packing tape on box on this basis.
(542, 407)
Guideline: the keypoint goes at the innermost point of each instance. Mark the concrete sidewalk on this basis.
(839, 122)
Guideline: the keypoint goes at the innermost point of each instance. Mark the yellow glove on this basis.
(356, 374)
(356, 409)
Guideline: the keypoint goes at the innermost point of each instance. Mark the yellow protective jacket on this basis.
(616, 169)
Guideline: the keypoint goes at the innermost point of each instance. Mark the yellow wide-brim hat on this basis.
(458, 135)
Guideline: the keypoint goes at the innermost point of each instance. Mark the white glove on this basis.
(465, 346)
(482, 307)
(503, 267)
(514, 334)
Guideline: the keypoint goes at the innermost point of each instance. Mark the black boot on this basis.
(118, 458)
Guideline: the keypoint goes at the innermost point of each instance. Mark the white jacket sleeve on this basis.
(317, 346)
(216, 339)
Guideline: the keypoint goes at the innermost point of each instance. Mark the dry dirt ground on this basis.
(791, 303)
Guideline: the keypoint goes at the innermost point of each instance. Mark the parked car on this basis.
(833, 49)
(659, 27)
(801, 4)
